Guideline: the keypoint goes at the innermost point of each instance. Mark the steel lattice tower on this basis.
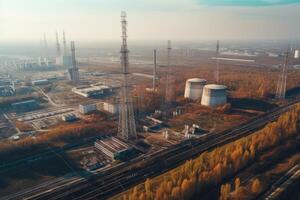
(281, 85)
(75, 72)
(127, 129)
(154, 70)
(217, 72)
(169, 91)
(58, 52)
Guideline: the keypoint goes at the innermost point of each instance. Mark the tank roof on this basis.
(196, 80)
(216, 87)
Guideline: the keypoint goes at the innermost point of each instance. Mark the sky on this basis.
(93, 20)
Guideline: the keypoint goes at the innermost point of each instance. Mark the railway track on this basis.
(116, 180)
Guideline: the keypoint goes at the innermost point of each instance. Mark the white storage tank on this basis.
(214, 95)
(296, 54)
(194, 88)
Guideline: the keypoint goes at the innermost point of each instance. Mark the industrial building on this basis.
(194, 88)
(109, 107)
(92, 91)
(114, 148)
(40, 82)
(6, 91)
(214, 95)
(69, 117)
(25, 105)
(87, 108)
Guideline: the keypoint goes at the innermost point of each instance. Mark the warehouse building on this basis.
(25, 105)
(87, 108)
(92, 91)
(114, 148)
(40, 82)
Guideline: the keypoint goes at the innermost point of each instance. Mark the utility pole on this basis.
(217, 72)
(168, 97)
(154, 70)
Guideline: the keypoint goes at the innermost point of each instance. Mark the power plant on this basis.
(214, 95)
(194, 88)
(127, 129)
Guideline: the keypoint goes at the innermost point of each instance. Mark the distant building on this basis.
(93, 91)
(112, 108)
(25, 105)
(87, 108)
(114, 148)
(69, 117)
(40, 82)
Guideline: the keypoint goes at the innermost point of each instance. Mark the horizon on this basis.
(27, 21)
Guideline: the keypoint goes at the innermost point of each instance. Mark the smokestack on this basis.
(65, 43)
(58, 52)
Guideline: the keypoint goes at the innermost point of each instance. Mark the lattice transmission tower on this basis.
(281, 85)
(217, 71)
(169, 81)
(127, 128)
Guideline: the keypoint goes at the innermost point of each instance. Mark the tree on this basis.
(237, 183)
(148, 189)
(256, 186)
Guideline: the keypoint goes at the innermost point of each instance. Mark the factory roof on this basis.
(196, 80)
(93, 88)
(216, 87)
(113, 144)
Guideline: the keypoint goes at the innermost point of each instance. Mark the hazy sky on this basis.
(27, 20)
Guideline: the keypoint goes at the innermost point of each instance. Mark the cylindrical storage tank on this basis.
(296, 54)
(214, 95)
(194, 88)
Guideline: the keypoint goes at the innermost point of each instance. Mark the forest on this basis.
(210, 169)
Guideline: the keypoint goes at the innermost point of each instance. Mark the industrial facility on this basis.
(194, 88)
(214, 95)
(114, 148)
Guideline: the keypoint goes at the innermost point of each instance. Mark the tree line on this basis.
(196, 176)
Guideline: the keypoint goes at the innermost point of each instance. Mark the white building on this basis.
(87, 108)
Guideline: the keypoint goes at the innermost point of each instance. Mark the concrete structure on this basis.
(114, 148)
(87, 108)
(112, 108)
(69, 117)
(73, 73)
(40, 82)
(296, 56)
(214, 95)
(93, 91)
(194, 88)
(25, 105)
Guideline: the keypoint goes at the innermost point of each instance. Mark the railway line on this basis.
(279, 187)
(126, 175)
